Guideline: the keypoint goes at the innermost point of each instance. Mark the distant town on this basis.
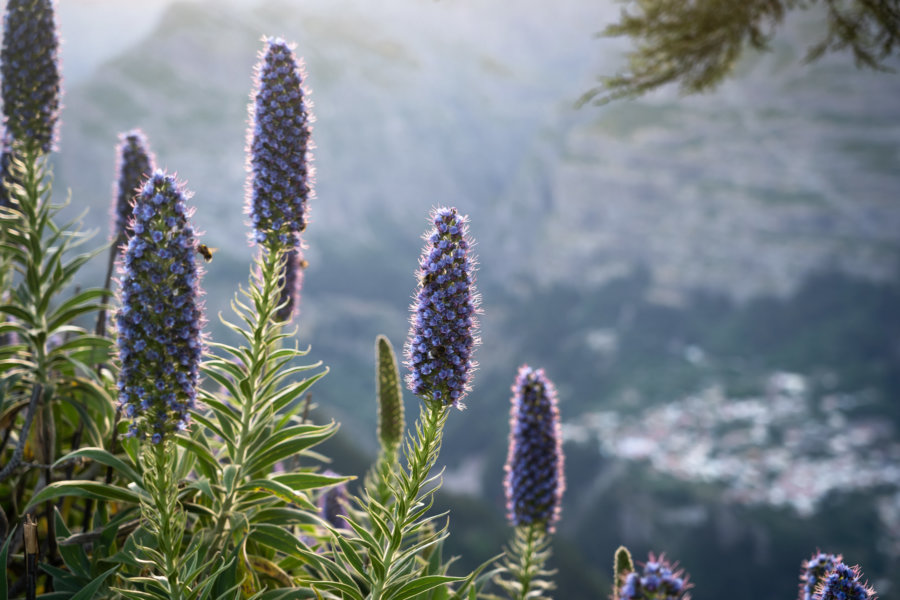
(789, 448)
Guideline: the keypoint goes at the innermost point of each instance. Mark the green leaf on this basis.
(4, 552)
(287, 594)
(278, 490)
(200, 451)
(19, 313)
(83, 489)
(73, 556)
(280, 515)
(350, 553)
(87, 593)
(264, 459)
(263, 439)
(291, 392)
(104, 457)
(89, 424)
(73, 307)
(308, 481)
(81, 342)
(346, 584)
(276, 538)
(419, 585)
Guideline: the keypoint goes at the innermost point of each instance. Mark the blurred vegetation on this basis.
(697, 44)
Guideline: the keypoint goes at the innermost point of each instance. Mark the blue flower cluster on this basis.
(279, 149)
(659, 581)
(135, 163)
(30, 72)
(843, 584)
(442, 335)
(159, 322)
(814, 570)
(534, 480)
(333, 504)
(290, 282)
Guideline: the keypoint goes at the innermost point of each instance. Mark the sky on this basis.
(95, 30)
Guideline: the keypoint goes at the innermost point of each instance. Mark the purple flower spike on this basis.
(135, 163)
(534, 479)
(333, 504)
(291, 280)
(659, 581)
(814, 570)
(159, 323)
(442, 335)
(30, 71)
(279, 148)
(843, 584)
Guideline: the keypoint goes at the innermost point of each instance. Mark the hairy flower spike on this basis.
(135, 163)
(279, 148)
(843, 584)
(159, 323)
(442, 335)
(659, 581)
(30, 72)
(814, 570)
(534, 479)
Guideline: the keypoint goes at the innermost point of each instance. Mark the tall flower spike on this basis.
(30, 71)
(442, 335)
(659, 581)
(534, 481)
(135, 163)
(814, 570)
(291, 281)
(843, 584)
(279, 148)
(159, 323)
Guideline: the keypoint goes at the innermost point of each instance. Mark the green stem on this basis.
(263, 324)
(529, 553)
(167, 521)
(528, 563)
(421, 456)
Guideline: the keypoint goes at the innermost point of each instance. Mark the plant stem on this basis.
(528, 554)
(421, 454)
(263, 324)
(162, 514)
(528, 561)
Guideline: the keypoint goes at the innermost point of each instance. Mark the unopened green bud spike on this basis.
(389, 396)
(622, 565)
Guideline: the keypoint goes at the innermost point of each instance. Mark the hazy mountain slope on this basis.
(783, 172)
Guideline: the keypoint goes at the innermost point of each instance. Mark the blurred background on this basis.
(712, 282)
